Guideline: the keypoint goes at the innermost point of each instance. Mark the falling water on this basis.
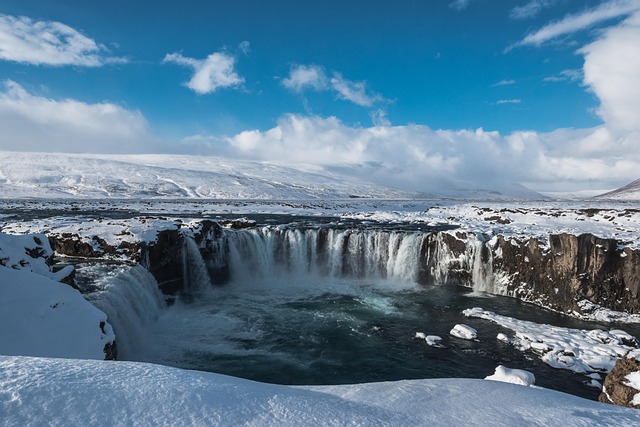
(132, 301)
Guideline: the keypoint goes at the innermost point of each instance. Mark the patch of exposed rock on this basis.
(616, 388)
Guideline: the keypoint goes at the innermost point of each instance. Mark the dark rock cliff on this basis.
(568, 269)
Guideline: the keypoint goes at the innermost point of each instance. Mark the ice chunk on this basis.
(464, 332)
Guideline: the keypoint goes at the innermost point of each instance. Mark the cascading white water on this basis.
(132, 300)
(195, 273)
(481, 270)
(271, 251)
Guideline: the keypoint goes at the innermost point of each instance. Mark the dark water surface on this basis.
(340, 332)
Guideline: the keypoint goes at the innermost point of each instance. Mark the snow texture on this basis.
(42, 317)
(39, 391)
(513, 376)
(581, 351)
(464, 332)
(98, 176)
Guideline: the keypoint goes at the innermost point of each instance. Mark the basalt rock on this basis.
(165, 259)
(616, 390)
(568, 269)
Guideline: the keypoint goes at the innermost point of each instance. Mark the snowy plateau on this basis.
(111, 209)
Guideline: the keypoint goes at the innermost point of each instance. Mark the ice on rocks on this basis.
(464, 332)
(513, 376)
(581, 351)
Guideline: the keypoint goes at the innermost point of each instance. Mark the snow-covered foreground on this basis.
(38, 391)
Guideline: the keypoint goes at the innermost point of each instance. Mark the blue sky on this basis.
(196, 76)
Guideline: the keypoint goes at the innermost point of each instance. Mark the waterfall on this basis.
(272, 251)
(132, 301)
(481, 258)
(195, 273)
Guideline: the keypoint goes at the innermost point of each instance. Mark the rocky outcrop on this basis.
(616, 389)
(165, 259)
(568, 269)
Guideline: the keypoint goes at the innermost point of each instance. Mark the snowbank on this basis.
(42, 317)
(39, 316)
(37, 391)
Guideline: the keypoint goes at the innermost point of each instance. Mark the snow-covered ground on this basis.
(39, 316)
(38, 391)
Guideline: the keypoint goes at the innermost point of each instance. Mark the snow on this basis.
(432, 340)
(464, 332)
(42, 317)
(40, 391)
(29, 252)
(630, 191)
(578, 350)
(513, 376)
(596, 313)
(97, 176)
(521, 220)
(633, 381)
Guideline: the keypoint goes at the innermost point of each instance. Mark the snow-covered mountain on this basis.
(628, 192)
(170, 177)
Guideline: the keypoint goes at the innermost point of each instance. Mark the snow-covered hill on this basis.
(628, 192)
(37, 391)
(170, 177)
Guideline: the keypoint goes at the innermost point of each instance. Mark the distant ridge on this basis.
(628, 192)
(162, 176)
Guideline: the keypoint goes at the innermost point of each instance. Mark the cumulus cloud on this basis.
(49, 43)
(531, 9)
(580, 21)
(611, 69)
(210, 74)
(35, 123)
(420, 158)
(303, 77)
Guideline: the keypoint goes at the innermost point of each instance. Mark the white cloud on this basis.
(420, 158)
(504, 83)
(379, 118)
(214, 72)
(531, 8)
(49, 43)
(35, 123)
(245, 47)
(459, 4)
(569, 75)
(303, 77)
(612, 69)
(355, 92)
(580, 21)
(508, 101)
